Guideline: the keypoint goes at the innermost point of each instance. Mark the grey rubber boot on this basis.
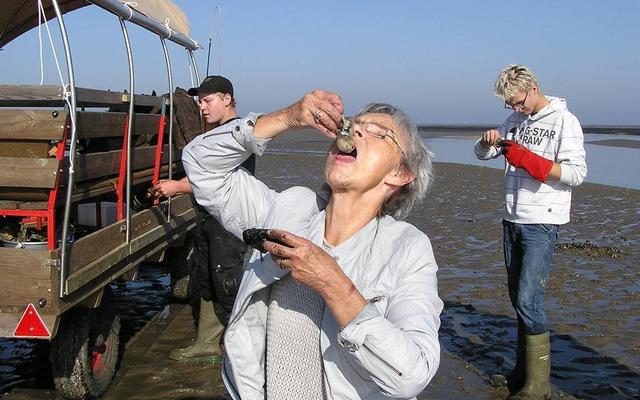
(538, 361)
(515, 378)
(206, 348)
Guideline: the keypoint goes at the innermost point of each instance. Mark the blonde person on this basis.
(347, 306)
(542, 143)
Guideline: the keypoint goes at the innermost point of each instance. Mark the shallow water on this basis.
(592, 297)
(607, 165)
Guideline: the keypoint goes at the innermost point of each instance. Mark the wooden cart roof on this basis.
(20, 16)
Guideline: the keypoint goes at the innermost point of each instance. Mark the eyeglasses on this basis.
(517, 106)
(378, 131)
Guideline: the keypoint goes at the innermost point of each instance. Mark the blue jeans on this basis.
(528, 251)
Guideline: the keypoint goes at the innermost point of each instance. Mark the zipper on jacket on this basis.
(383, 361)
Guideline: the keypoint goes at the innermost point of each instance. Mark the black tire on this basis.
(84, 352)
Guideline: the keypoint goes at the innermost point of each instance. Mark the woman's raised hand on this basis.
(318, 109)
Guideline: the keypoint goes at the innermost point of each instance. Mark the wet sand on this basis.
(633, 144)
(593, 294)
(592, 299)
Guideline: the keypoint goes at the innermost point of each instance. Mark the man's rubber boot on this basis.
(206, 348)
(536, 386)
(515, 378)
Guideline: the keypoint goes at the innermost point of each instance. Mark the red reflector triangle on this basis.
(31, 325)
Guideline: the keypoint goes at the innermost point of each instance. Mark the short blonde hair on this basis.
(233, 100)
(515, 78)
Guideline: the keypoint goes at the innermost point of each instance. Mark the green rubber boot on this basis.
(206, 348)
(515, 378)
(538, 371)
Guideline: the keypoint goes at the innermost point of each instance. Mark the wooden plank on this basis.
(100, 243)
(23, 263)
(95, 245)
(94, 97)
(36, 199)
(27, 95)
(22, 291)
(24, 149)
(89, 189)
(125, 256)
(26, 277)
(28, 172)
(51, 96)
(9, 205)
(24, 194)
(32, 124)
(33, 205)
(111, 124)
(98, 165)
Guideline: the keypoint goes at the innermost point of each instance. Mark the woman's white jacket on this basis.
(390, 349)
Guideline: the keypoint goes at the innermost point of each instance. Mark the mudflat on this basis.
(593, 296)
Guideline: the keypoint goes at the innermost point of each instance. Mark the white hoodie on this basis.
(555, 134)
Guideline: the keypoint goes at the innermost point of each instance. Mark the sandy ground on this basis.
(593, 293)
(592, 299)
(633, 144)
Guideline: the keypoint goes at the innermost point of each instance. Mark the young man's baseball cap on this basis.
(213, 84)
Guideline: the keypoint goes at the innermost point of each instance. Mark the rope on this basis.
(220, 47)
(40, 46)
(53, 49)
(166, 25)
(191, 72)
(66, 94)
(130, 5)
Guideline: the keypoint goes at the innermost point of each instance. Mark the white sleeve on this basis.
(493, 151)
(229, 193)
(483, 153)
(400, 349)
(571, 154)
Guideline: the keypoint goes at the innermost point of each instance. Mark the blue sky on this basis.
(436, 60)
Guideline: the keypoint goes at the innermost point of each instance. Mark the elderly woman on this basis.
(346, 306)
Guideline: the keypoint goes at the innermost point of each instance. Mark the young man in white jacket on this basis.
(542, 143)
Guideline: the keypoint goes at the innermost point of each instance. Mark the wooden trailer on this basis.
(63, 157)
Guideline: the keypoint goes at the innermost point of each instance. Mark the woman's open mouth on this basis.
(347, 157)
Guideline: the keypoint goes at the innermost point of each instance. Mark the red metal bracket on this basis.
(47, 216)
(123, 170)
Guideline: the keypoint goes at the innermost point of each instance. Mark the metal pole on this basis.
(64, 254)
(195, 66)
(170, 78)
(129, 128)
(130, 14)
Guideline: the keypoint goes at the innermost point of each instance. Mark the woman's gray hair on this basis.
(418, 161)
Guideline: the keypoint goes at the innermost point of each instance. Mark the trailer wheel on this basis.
(84, 353)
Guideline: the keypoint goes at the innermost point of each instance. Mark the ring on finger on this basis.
(317, 116)
(282, 263)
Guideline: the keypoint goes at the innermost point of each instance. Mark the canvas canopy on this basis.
(19, 16)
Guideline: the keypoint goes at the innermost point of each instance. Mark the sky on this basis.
(437, 60)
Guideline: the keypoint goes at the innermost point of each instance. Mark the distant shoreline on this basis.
(474, 129)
